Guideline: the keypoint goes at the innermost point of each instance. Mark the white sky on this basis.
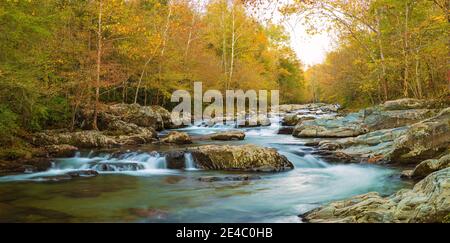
(310, 49)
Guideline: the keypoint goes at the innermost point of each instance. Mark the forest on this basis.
(387, 49)
(58, 56)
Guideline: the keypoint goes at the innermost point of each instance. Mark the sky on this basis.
(310, 49)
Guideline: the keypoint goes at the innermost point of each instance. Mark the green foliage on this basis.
(8, 125)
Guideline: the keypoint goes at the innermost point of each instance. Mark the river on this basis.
(141, 189)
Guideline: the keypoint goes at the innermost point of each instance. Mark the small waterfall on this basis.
(312, 161)
(127, 162)
(189, 162)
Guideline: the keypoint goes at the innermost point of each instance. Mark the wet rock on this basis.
(373, 147)
(408, 144)
(25, 166)
(286, 130)
(429, 166)
(240, 158)
(349, 126)
(82, 173)
(177, 138)
(423, 140)
(290, 120)
(144, 136)
(294, 119)
(175, 160)
(376, 119)
(228, 136)
(229, 178)
(116, 166)
(407, 174)
(427, 202)
(118, 127)
(61, 150)
(364, 121)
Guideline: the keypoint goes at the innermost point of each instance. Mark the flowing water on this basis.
(136, 186)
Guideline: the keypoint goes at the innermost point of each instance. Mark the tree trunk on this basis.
(99, 63)
(383, 62)
(405, 53)
(163, 50)
(418, 82)
(224, 46)
(233, 43)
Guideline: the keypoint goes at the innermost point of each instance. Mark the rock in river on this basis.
(423, 140)
(240, 158)
(61, 150)
(93, 139)
(145, 116)
(228, 136)
(364, 121)
(179, 138)
(427, 202)
(429, 166)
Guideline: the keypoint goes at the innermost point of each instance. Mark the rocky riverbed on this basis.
(301, 158)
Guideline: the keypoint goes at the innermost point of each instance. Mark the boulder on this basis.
(82, 139)
(392, 114)
(61, 150)
(349, 126)
(407, 104)
(409, 144)
(154, 117)
(286, 130)
(360, 123)
(93, 139)
(372, 147)
(175, 160)
(175, 137)
(119, 127)
(240, 158)
(423, 140)
(427, 202)
(429, 166)
(228, 136)
(291, 120)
